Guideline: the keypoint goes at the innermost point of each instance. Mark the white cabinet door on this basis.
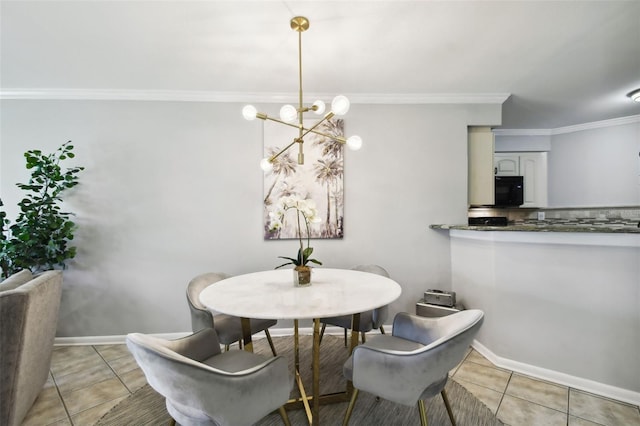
(481, 189)
(507, 164)
(533, 167)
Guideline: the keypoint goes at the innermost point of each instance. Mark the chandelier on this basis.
(289, 113)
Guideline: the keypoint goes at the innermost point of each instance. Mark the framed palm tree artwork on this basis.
(319, 181)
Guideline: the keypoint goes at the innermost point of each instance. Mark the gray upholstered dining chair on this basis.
(369, 320)
(228, 327)
(413, 363)
(204, 386)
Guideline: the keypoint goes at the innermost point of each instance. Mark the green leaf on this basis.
(41, 232)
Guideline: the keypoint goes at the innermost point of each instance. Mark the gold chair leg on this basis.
(172, 422)
(285, 417)
(352, 403)
(273, 348)
(382, 329)
(423, 413)
(324, 325)
(448, 406)
(226, 348)
(364, 338)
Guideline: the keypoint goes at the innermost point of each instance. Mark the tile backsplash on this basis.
(600, 214)
(590, 213)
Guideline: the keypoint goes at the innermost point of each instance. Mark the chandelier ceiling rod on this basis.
(288, 113)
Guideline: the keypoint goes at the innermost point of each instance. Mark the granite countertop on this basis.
(556, 225)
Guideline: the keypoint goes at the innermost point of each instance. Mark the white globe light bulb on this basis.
(354, 142)
(340, 105)
(288, 113)
(266, 165)
(249, 112)
(320, 107)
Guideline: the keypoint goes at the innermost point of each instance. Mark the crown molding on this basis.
(277, 97)
(265, 97)
(597, 125)
(569, 129)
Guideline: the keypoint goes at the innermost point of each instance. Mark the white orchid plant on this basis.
(305, 212)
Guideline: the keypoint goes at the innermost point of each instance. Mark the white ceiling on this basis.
(563, 62)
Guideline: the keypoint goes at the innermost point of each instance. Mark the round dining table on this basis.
(272, 295)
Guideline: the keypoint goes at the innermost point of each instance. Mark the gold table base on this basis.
(310, 403)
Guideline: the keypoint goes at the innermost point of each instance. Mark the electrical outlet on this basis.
(540, 215)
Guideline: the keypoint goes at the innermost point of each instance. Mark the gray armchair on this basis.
(204, 386)
(228, 327)
(28, 318)
(369, 320)
(413, 364)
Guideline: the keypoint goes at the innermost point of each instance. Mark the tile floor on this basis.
(87, 381)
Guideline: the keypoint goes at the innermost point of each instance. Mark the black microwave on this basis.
(509, 191)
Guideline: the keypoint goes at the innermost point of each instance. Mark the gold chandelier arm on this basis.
(266, 117)
(340, 139)
(273, 157)
(304, 133)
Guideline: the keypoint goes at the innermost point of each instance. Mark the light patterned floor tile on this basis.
(540, 392)
(111, 352)
(89, 397)
(47, 408)
(133, 379)
(474, 356)
(83, 379)
(76, 361)
(123, 364)
(527, 401)
(515, 411)
(602, 410)
(577, 421)
(489, 397)
(92, 415)
(489, 377)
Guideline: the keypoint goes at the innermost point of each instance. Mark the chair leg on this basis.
(324, 325)
(273, 348)
(226, 348)
(382, 329)
(345, 338)
(423, 413)
(352, 403)
(363, 335)
(448, 406)
(172, 422)
(285, 417)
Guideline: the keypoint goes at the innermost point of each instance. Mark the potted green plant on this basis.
(305, 212)
(39, 238)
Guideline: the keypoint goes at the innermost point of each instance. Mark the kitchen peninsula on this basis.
(561, 298)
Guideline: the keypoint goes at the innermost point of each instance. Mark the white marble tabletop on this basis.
(272, 295)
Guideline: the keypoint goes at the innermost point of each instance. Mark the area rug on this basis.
(147, 407)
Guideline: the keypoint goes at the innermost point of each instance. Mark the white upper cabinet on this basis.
(533, 167)
(507, 164)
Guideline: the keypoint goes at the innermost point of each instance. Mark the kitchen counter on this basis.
(561, 302)
(556, 225)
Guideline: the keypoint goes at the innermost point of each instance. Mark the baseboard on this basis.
(557, 377)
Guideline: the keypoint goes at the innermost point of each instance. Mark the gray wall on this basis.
(594, 167)
(173, 189)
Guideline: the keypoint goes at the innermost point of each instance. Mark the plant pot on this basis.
(302, 276)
